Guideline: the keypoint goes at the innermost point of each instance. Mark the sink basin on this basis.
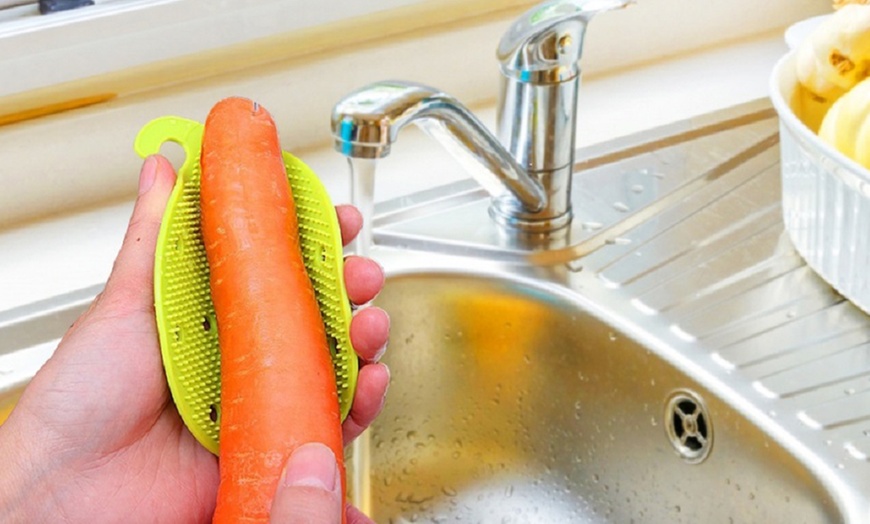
(512, 402)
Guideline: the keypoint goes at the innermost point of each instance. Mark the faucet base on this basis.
(518, 220)
(508, 212)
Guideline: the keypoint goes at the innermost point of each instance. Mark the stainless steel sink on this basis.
(514, 402)
(667, 358)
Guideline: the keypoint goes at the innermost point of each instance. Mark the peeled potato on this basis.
(836, 56)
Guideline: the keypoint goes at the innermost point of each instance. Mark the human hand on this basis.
(96, 432)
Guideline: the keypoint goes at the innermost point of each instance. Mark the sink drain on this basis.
(689, 426)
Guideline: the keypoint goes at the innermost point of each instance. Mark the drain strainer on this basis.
(689, 427)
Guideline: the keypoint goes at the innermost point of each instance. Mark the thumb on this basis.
(310, 488)
(131, 281)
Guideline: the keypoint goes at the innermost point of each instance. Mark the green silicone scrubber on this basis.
(185, 314)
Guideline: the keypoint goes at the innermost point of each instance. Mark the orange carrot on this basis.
(277, 382)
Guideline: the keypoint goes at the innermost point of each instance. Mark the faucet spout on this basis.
(366, 122)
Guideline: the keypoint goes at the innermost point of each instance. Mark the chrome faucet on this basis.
(528, 168)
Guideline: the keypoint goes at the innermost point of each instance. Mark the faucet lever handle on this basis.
(545, 44)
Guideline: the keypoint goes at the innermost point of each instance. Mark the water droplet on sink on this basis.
(591, 226)
(637, 188)
(621, 207)
(850, 391)
(618, 241)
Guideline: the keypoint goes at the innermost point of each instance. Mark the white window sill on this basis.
(39, 52)
(45, 258)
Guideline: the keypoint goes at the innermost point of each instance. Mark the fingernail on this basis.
(389, 381)
(148, 174)
(311, 464)
(379, 353)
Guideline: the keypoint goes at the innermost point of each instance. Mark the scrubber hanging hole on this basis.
(213, 414)
(174, 152)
